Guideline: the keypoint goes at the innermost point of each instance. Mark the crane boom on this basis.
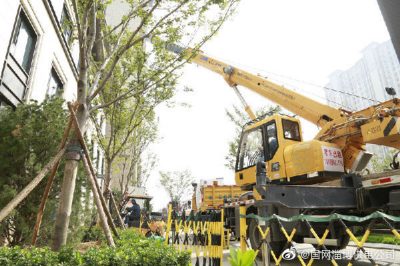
(350, 131)
(307, 108)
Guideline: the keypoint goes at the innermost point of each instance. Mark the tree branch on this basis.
(91, 30)
(145, 88)
(78, 24)
(120, 52)
(122, 96)
(129, 17)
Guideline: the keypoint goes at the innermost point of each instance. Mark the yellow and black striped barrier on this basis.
(289, 250)
(200, 233)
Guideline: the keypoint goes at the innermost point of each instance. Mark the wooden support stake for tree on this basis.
(28, 189)
(99, 206)
(117, 211)
(86, 154)
(49, 184)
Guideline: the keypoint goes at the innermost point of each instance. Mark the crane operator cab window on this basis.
(251, 149)
(291, 130)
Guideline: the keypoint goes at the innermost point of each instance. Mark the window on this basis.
(291, 130)
(66, 25)
(3, 103)
(272, 140)
(55, 86)
(251, 149)
(23, 43)
(18, 61)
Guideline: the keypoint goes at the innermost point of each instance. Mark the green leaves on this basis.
(177, 184)
(382, 163)
(240, 258)
(29, 137)
(132, 249)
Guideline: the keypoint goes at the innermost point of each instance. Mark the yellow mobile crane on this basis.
(286, 182)
(337, 148)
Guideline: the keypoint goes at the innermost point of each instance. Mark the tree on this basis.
(134, 168)
(380, 164)
(127, 127)
(239, 118)
(26, 145)
(106, 50)
(178, 184)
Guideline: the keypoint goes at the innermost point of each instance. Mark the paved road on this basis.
(383, 255)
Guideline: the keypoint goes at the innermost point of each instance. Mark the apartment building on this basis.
(363, 84)
(39, 54)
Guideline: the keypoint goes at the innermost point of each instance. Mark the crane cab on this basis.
(277, 140)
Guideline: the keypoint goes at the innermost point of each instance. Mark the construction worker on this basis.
(134, 214)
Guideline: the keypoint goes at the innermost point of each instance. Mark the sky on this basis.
(296, 43)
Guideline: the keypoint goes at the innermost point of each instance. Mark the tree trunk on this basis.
(100, 209)
(49, 185)
(107, 181)
(135, 173)
(117, 211)
(72, 156)
(64, 210)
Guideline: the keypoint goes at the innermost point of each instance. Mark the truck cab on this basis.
(277, 140)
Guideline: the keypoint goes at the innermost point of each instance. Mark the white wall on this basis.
(8, 13)
(49, 50)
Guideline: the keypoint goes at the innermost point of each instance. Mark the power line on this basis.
(295, 88)
(327, 88)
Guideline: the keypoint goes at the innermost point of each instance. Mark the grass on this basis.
(382, 238)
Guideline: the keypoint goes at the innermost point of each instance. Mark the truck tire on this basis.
(254, 235)
(342, 237)
(343, 241)
(255, 239)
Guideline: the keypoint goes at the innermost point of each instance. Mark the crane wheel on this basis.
(255, 239)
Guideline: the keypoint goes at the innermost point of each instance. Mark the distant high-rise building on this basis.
(364, 83)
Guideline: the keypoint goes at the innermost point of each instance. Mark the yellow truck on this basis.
(214, 196)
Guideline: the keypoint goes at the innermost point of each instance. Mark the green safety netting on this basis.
(325, 218)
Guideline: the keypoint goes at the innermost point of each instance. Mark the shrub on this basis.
(94, 233)
(29, 137)
(239, 258)
(132, 249)
(27, 257)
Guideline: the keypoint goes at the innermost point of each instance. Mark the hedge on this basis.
(130, 250)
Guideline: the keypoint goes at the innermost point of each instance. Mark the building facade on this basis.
(39, 55)
(364, 83)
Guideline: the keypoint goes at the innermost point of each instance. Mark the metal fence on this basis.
(201, 234)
